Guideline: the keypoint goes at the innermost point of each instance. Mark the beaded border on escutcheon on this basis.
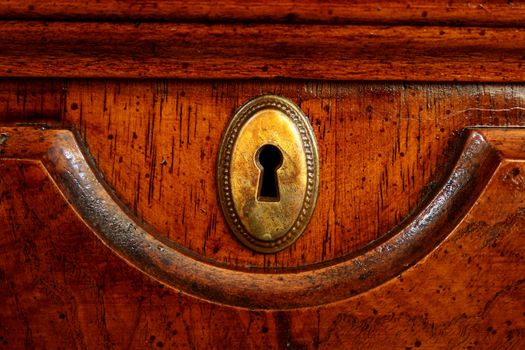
(240, 117)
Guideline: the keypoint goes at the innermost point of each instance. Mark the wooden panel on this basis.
(494, 12)
(63, 158)
(414, 259)
(61, 287)
(384, 149)
(162, 50)
(32, 102)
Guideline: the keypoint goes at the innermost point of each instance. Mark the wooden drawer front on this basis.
(111, 228)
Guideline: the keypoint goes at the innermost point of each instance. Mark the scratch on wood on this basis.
(3, 138)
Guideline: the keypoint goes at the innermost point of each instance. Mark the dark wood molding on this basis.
(200, 51)
(61, 154)
(495, 12)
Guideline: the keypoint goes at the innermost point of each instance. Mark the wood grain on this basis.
(419, 229)
(385, 148)
(62, 157)
(228, 51)
(61, 287)
(494, 12)
(23, 101)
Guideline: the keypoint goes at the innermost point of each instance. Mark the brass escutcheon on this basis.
(268, 173)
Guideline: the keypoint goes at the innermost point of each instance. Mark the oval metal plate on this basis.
(268, 225)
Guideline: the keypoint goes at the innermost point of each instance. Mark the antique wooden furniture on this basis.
(111, 228)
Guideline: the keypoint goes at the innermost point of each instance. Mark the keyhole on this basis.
(269, 159)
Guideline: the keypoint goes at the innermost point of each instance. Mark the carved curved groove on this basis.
(61, 154)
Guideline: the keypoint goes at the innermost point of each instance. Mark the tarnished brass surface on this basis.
(268, 224)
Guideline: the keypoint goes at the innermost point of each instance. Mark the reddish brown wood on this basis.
(32, 102)
(414, 259)
(61, 287)
(166, 50)
(384, 150)
(494, 12)
(62, 158)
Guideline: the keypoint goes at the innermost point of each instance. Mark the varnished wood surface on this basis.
(459, 12)
(62, 157)
(384, 150)
(229, 51)
(62, 288)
